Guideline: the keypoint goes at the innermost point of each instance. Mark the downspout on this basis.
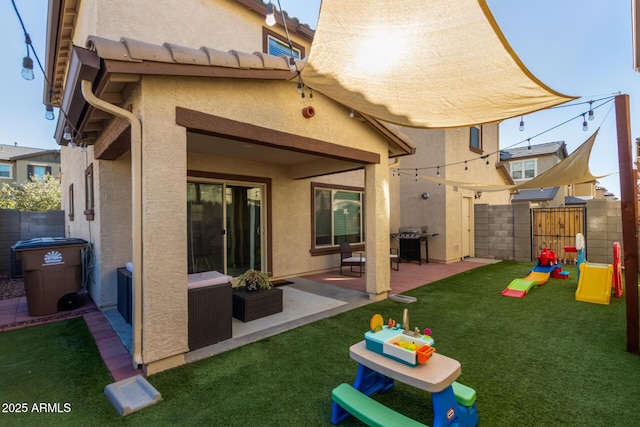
(136, 196)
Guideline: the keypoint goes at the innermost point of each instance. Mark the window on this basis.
(338, 215)
(38, 171)
(89, 212)
(71, 209)
(5, 171)
(274, 44)
(475, 139)
(525, 169)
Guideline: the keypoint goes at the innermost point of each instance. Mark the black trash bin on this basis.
(52, 269)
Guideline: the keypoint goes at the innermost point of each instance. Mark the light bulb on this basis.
(27, 68)
(438, 171)
(270, 19)
(49, 112)
(292, 64)
(67, 133)
(72, 142)
(352, 114)
(466, 169)
(521, 127)
(585, 126)
(591, 115)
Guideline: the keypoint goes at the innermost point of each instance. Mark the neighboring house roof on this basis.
(542, 195)
(35, 154)
(570, 200)
(14, 152)
(558, 148)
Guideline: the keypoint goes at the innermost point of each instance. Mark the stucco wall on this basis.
(221, 24)
(442, 211)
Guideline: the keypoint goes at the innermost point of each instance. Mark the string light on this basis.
(270, 19)
(49, 112)
(521, 127)
(27, 67)
(487, 160)
(585, 126)
(466, 168)
(529, 150)
(352, 114)
(591, 115)
(66, 135)
(438, 171)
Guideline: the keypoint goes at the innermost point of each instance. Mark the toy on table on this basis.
(547, 266)
(395, 341)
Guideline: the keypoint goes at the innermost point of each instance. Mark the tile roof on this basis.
(536, 150)
(534, 195)
(131, 50)
(570, 200)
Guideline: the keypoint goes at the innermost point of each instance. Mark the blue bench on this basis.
(368, 410)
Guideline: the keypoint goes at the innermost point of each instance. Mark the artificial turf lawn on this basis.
(543, 360)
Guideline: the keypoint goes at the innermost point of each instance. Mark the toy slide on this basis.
(595, 283)
(518, 288)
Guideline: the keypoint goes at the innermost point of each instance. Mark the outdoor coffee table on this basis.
(377, 373)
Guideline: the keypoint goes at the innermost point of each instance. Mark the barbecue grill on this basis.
(410, 239)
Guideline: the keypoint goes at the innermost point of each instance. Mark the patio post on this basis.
(629, 206)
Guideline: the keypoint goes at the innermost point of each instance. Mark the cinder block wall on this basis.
(9, 235)
(494, 230)
(522, 232)
(504, 231)
(604, 226)
(16, 225)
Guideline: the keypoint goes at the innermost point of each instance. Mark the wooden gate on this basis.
(555, 228)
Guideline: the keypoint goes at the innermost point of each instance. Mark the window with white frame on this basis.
(338, 215)
(525, 169)
(6, 170)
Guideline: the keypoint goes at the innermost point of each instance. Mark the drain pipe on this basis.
(136, 196)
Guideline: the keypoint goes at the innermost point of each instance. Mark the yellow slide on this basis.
(595, 283)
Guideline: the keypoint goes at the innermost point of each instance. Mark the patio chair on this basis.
(347, 259)
(394, 257)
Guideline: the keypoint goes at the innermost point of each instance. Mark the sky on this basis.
(581, 48)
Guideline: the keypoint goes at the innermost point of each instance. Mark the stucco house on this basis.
(196, 134)
(467, 154)
(18, 164)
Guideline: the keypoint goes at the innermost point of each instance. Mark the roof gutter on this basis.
(136, 196)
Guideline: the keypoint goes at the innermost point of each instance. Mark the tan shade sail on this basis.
(435, 64)
(573, 169)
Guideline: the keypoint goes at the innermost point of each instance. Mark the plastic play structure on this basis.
(547, 266)
(596, 280)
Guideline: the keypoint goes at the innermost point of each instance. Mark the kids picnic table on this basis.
(453, 403)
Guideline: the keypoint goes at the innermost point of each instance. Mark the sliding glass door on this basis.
(225, 226)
